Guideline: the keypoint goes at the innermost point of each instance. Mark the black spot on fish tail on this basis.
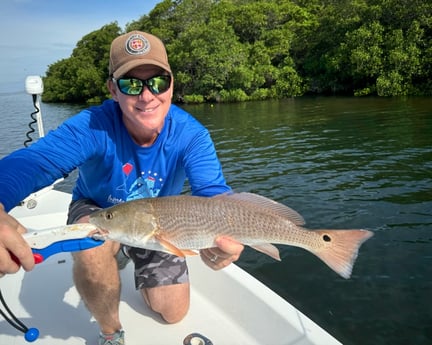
(340, 248)
(327, 238)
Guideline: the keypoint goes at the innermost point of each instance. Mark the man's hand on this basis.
(12, 243)
(226, 252)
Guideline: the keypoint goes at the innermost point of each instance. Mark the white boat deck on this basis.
(228, 307)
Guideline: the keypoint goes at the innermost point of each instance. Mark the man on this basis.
(135, 145)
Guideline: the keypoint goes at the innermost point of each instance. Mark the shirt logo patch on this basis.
(137, 45)
(127, 168)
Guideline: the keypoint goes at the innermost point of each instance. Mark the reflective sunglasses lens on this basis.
(130, 86)
(159, 84)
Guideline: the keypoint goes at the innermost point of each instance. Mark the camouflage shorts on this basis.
(152, 268)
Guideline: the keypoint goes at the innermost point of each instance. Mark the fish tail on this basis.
(340, 248)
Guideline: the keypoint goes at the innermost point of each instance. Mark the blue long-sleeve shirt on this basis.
(112, 168)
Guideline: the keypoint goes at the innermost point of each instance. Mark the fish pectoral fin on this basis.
(268, 249)
(188, 252)
(172, 249)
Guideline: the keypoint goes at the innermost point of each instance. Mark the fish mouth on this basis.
(99, 234)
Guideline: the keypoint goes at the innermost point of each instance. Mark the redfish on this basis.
(182, 224)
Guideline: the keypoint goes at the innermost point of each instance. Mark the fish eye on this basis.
(109, 216)
(327, 238)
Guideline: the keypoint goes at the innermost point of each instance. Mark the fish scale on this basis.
(180, 224)
(222, 219)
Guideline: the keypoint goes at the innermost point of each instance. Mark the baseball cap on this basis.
(134, 49)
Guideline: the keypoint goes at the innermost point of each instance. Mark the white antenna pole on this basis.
(39, 117)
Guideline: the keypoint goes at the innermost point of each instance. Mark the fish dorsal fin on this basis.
(256, 200)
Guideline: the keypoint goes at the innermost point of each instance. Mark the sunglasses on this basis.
(134, 86)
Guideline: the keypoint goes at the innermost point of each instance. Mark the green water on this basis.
(341, 163)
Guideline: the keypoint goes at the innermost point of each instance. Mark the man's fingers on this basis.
(14, 250)
(226, 252)
(230, 246)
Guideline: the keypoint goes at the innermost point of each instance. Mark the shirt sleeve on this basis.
(27, 170)
(203, 168)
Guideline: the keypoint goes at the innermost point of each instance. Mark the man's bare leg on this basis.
(97, 280)
(170, 301)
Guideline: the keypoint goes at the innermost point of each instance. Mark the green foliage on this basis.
(237, 50)
(233, 95)
(82, 77)
(190, 99)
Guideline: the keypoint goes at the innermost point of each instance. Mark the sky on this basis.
(36, 33)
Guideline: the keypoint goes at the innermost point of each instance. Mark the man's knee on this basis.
(90, 264)
(170, 301)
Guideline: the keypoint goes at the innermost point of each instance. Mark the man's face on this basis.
(145, 113)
